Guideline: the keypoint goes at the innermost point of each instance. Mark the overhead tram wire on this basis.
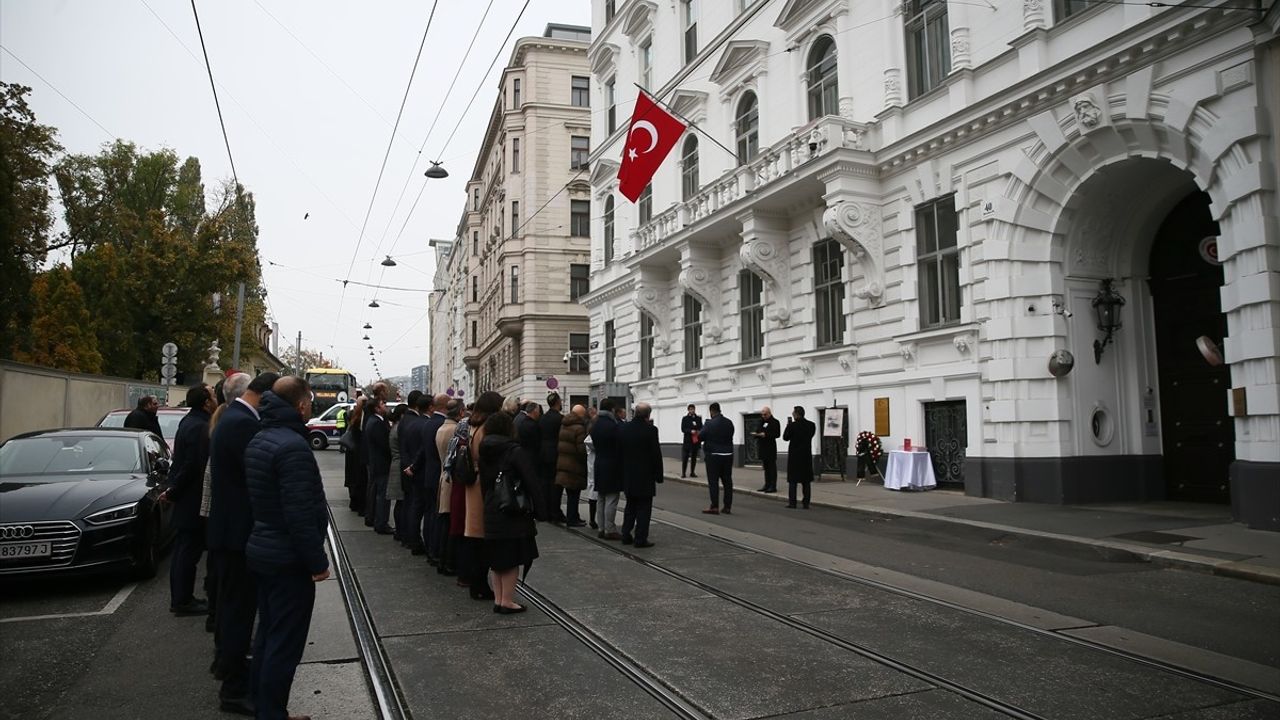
(61, 94)
(390, 142)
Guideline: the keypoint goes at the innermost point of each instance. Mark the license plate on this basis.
(20, 551)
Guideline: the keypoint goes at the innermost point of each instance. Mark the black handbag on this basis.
(348, 441)
(509, 493)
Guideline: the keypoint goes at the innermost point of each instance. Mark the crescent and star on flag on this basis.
(653, 132)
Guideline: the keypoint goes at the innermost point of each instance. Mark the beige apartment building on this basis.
(505, 309)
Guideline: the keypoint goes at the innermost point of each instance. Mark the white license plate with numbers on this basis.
(23, 550)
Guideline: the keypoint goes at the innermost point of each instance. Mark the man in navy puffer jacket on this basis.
(286, 548)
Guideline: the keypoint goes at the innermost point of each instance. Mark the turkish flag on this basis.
(652, 134)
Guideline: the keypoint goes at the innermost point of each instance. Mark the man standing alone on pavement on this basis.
(717, 438)
(767, 445)
(144, 417)
(799, 437)
(691, 429)
(184, 487)
(285, 550)
(642, 471)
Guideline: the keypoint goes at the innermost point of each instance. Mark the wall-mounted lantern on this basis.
(1106, 304)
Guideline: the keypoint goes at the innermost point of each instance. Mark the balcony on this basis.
(511, 320)
(471, 358)
(817, 139)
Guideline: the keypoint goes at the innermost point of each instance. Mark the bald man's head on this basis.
(579, 410)
(441, 402)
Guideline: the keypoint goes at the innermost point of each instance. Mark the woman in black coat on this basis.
(509, 540)
(356, 476)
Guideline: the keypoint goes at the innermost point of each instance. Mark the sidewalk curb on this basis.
(1238, 569)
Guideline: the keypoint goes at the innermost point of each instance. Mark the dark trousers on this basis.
(285, 602)
(211, 573)
(237, 607)
(572, 499)
(791, 493)
(770, 462)
(688, 457)
(188, 546)
(556, 494)
(720, 471)
(380, 506)
(429, 529)
(473, 565)
(415, 515)
(398, 511)
(635, 519)
(448, 553)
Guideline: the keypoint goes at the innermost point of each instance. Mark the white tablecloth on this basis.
(911, 470)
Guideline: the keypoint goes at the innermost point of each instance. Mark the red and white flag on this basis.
(652, 134)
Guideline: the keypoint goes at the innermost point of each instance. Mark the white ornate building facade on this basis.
(919, 203)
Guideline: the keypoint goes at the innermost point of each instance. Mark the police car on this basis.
(323, 430)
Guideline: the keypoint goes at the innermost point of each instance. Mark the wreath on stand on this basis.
(868, 450)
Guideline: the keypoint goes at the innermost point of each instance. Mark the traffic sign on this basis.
(168, 372)
(552, 383)
(170, 350)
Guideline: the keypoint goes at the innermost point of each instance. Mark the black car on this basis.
(82, 499)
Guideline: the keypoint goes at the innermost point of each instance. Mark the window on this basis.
(579, 362)
(515, 93)
(580, 218)
(515, 284)
(608, 230)
(515, 155)
(579, 151)
(475, 288)
(692, 333)
(646, 346)
(580, 91)
(928, 50)
(610, 9)
(689, 167)
(475, 242)
(646, 64)
(611, 101)
(747, 128)
(751, 311)
(1063, 9)
(475, 199)
(609, 351)
(938, 259)
(579, 281)
(828, 292)
(515, 216)
(474, 337)
(689, 19)
(821, 78)
(646, 204)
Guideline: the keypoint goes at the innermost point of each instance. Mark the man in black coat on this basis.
(691, 430)
(184, 487)
(641, 473)
(230, 522)
(717, 443)
(608, 469)
(426, 475)
(143, 417)
(549, 452)
(285, 550)
(408, 430)
(378, 436)
(799, 437)
(528, 432)
(767, 447)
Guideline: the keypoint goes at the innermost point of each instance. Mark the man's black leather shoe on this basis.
(238, 706)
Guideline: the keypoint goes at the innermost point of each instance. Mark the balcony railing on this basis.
(818, 138)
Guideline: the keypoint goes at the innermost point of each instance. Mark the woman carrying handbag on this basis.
(512, 501)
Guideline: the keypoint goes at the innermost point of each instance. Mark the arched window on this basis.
(821, 79)
(689, 167)
(747, 128)
(608, 230)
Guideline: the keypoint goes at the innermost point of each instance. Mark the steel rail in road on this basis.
(1162, 665)
(372, 656)
(672, 700)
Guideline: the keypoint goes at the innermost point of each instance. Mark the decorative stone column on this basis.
(895, 54)
(1033, 15)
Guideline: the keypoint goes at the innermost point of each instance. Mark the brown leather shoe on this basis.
(711, 511)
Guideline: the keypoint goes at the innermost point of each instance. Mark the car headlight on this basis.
(119, 513)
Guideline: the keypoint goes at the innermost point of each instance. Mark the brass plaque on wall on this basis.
(1239, 402)
(882, 417)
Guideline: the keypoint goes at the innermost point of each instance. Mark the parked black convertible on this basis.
(79, 500)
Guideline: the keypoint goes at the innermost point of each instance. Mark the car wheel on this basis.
(147, 560)
(319, 441)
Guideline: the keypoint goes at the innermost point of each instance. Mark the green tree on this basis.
(26, 149)
(310, 359)
(60, 334)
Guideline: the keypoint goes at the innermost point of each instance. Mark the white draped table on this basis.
(909, 470)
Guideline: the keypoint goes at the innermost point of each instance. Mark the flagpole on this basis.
(686, 120)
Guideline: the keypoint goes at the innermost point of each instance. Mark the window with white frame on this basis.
(1063, 9)
(475, 288)
(611, 102)
(580, 218)
(689, 167)
(751, 313)
(515, 93)
(475, 242)
(828, 292)
(515, 216)
(515, 284)
(692, 333)
(689, 25)
(938, 261)
(579, 362)
(475, 198)
(610, 351)
(608, 230)
(580, 92)
(928, 49)
(823, 90)
(646, 346)
(474, 334)
(579, 151)
(515, 155)
(610, 9)
(746, 127)
(646, 64)
(645, 204)
(579, 280)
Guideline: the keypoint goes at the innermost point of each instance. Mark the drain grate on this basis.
(1156, 538)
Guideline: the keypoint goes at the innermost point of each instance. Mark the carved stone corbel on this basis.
(857, 228)
(653, 299)
(769, 257)
(963, 343)
(702, 280)
(846, 360)
(908, 351)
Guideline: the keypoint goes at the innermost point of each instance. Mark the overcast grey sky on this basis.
(303, 141)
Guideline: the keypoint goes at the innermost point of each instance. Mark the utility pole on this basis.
(235, 355)
(297, 357)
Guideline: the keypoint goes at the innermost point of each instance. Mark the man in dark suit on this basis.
(717, 443)
(143, 417)
(184, 487)
(285, 550)
(549, 434)
(230, 522)
(799, 437)
(528, 432)
(407, 430)
(641, 473)
(767, 447)
(378, 436)
(691, 430)
(410, 450)
(608, 469)
(426, 473)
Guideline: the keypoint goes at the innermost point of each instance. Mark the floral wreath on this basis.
(868, 444)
